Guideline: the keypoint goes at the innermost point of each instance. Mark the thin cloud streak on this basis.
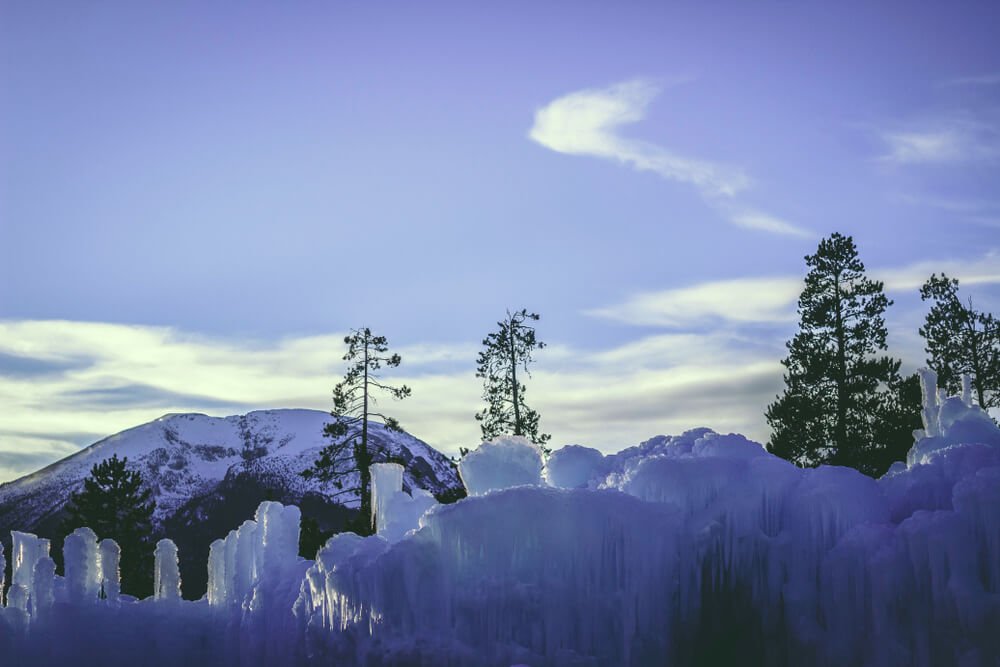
(739, 300)
(770, 300)
(942, 142)
(768, 223)
(587, 122)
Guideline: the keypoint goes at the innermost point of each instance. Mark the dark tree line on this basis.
(845, 402)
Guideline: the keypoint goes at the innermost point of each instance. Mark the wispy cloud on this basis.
(769, 223)
(713, 363)
(944, 141)
(588, 122)
(771, 300)
(741, 300)
(609, 398)
(984, 270)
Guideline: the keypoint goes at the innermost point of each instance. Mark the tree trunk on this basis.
(513, 379)
(362, 457)
(840, 427)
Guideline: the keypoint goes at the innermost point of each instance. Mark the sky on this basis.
(198, 201)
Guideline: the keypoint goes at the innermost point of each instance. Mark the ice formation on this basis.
(574, 467)
(110, 557)
(689, 550)
(166, 571)
(501, 463)
(387, 480)
(83, 578)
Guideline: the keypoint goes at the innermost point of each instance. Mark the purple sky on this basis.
(196, 200)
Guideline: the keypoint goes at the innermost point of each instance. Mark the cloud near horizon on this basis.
(771, 300)
(608, 398)
(714, 361)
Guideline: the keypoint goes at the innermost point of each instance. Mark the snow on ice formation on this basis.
(500, 463)
(688, 550)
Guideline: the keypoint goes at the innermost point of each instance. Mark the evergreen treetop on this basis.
(114, 504)
(505, 352)
(351, 452)
(961, 340)
(838, 391)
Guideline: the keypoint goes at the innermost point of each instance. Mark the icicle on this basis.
(967, 389)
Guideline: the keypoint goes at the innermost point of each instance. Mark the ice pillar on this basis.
(387, 480)
(110, 574)
(83, 578)
(166, 572)
(26, 549)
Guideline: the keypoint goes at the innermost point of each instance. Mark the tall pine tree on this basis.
(506, 352)
(839, 394)
(114, 504)
(961, 340)
(352, 452)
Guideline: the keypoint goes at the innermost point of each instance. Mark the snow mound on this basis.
(574, 467)
(501, 463)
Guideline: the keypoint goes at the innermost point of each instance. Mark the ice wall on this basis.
(689, 550)
(698, 549)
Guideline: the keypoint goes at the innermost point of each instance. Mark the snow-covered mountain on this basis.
(208, 473)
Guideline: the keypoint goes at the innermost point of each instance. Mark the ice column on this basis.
(166, 573)
(387, 480)
(44, 593)
(929, 413)
(967, 390)
(26, 549)
(278, 540)
(3, 574)
(83, 579)
(110, 554)
(217, 573)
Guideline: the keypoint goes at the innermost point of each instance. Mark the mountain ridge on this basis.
(207, 474)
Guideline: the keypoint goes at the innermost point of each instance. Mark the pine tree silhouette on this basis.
(114, 504)
(840, 397)
(505, 352)
(351, 451)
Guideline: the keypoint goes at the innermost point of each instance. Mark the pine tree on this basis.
(838, 393)
(351, 452)
(961, 340)
(114, 504)
(506, 351)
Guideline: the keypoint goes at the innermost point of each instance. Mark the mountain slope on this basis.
(207, 475)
